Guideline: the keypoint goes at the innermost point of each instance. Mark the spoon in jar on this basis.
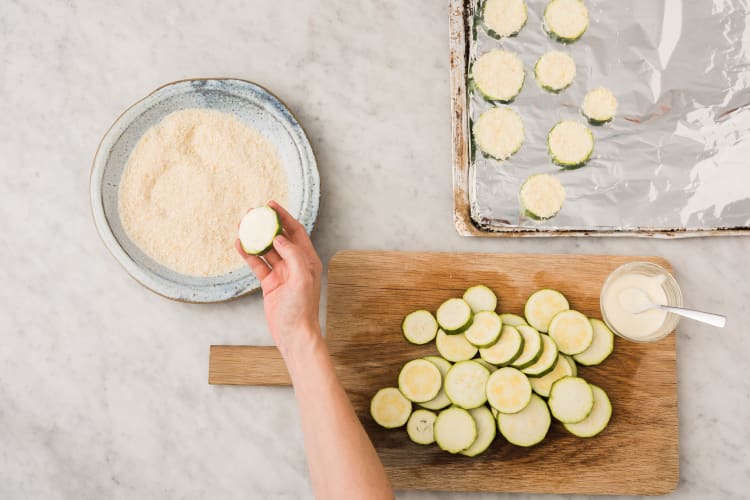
(637, 301)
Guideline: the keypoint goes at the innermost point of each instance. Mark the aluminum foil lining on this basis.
(677, 156)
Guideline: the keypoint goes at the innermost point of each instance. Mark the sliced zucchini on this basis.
(503, 18)
(542, 196)
(455, 429)
(601, 347)
(389, 408)
(555, 71)
(498, 75)
(506, 350)
(494, 412)
(599, 106)
(485, 329)
(257, 230)
(508, 390)
(532, 347)
(486, 431)
(527, 427)
(454, 347)
(480, 298)
(419, 380)
(542, 385)
(465, 384)
(542, 306)
(546, 362)
(572, 363)
(419, 327)
(421, 426)
(571, 331)
(570, 144)
(597, 420)
(454, 316)
(570, 400)
(566, 20)
(499, 132)
(491, 368)
(512, 319)
(441, 400)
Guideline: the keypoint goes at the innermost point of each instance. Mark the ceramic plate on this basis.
(251, 104)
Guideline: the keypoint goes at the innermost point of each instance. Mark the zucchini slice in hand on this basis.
(389, 408)
(257, 230)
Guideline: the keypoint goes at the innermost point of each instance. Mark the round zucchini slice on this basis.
(532, 347)
(542, 385)
(257, 230)
(599, 106)
(572, 363)
(465, 384)
(480, 298)
(455, 429)
(498, 75)
(441, 400)
(454, 316)
(507, 348)
(419, 380)
(570, 144)
(546, 362)
(542, 306)
(421, 427)
(504, 18)
(486, 431)
(571, 331)
(389, 408)
(508, 390)
(512, 319)
(485, 329)
(454, 347)
(499, 133)
(542, 196)
(527, 427)
(555, 71)
(566, 20)
(570, 400)
(597, 420)
(601, 346)
(419, 327)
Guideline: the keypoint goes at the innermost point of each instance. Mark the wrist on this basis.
(301, 344)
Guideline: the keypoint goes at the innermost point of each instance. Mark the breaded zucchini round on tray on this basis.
(566, 20)
(499, 132)
(599, 106)
(504, 18)
(570, 143)
(555, 71)
(542, 196)
(498, 75)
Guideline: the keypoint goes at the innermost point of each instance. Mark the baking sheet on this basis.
(675, 158)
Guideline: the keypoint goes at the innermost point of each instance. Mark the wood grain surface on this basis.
(370, 292)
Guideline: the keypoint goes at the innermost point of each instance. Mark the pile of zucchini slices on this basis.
(498, 75)
(497, 373)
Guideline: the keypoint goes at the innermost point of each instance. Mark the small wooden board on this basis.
(370, 292)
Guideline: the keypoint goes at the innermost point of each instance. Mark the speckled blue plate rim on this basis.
(169, 284)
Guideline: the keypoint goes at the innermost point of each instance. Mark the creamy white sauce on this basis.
(619, 300)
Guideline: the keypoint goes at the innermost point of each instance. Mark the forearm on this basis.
(343, 463)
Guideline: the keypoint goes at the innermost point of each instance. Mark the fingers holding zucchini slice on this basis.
(499, 132)
(498, 75)
(257, 230)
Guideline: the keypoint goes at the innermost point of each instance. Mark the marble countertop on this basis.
(103, 385)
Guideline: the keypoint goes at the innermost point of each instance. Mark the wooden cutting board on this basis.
(368, 295)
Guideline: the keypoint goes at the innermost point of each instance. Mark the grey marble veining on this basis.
(103, 389)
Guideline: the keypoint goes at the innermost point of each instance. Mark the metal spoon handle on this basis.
(716, 320)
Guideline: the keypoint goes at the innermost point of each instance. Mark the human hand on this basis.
(290, 276)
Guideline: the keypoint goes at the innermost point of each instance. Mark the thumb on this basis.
(291, 253)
